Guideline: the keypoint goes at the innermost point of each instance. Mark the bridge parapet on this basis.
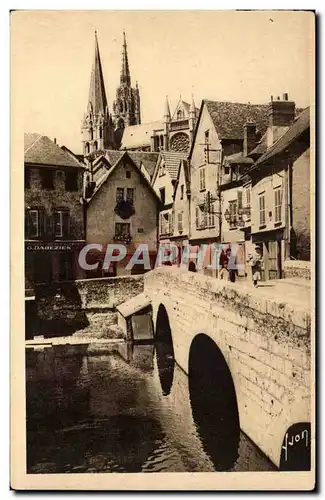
(264, 335)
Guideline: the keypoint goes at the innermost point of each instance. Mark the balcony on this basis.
(179, 125)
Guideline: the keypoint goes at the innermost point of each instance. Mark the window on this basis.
(211, 221)
(262, 209)
(122, 230)
(58, 224)
(140, 230)
(197, 217)
(119, 194)
(180, 114)
(206, 136)
(71, 181)
(180, 221)
(33, 227)
(162, 194)
(61, 222)
(204, 220)
(128, 174)
(202, 178)
(100, 132)
(130, 195)
(227, 170)
(27, 178)
(47, 178)
(182, 191)
(277, 204)
(248, 196)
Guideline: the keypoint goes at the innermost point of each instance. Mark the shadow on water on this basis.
(164, 351)
(213, 401)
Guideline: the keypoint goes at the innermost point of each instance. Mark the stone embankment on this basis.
(82, 308)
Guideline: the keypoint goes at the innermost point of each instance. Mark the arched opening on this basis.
(95, 146)
(180, 114)
(91, 134)
(162, 142)
(87, 148)
(214, 403)
(164, 350)
(100, 132)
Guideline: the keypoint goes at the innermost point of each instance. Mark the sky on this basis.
(218, 55)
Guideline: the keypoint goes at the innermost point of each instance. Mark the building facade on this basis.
(122, 208)
(173, 133)
(54, 212)
(164, 181)
(280, 193)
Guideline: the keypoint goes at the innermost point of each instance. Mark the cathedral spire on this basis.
(97, 95)
(167, 110)
(125, 73)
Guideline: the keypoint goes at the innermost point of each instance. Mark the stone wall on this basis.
(265, 342)
(66, 307)
(297, 269)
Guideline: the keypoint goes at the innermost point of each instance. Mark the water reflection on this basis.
(110, 412)
(164, 351)
(214, 403)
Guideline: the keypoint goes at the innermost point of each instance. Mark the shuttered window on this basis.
(262, 209)
(180, 221)
(202, 178)
(277, 204)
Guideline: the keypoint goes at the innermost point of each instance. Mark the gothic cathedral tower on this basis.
(97, 126)
(127, 105)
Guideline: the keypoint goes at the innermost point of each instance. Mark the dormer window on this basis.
(180, 114)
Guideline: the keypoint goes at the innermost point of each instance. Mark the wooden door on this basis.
(273, 260)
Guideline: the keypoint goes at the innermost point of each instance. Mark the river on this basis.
(123, 409)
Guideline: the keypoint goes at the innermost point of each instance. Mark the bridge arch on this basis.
(213, 402)
(164, 350)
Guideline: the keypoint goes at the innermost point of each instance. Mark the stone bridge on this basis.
(250, 347)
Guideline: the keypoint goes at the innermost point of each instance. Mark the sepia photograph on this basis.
(162, 234)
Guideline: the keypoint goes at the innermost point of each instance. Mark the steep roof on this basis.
(299, 126)
(186, 167)
(172, 161)
(97, 94)
(103, 178)
(229, 118)
(137, 136)
(238, 158)
(40, 150)
(148, 160)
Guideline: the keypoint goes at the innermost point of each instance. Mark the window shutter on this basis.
(26, 224)
(41, 223)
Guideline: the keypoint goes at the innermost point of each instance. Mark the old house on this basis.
(163, 182)
(122, 208)
(280, 189)
(181, 208)
(54, 212)
(219, 134)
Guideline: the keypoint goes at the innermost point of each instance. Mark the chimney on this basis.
(281, 113)
(250, 137)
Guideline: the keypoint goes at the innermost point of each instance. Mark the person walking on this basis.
(255, 260)
(223, 263)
